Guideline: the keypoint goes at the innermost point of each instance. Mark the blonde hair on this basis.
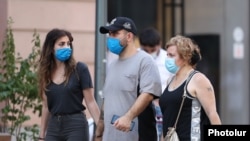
(186, 48)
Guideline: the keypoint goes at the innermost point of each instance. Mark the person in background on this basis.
(63, 84)
(150, 41)
(199, 106)
(131, 83)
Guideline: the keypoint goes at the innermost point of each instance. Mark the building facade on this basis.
(220, 26)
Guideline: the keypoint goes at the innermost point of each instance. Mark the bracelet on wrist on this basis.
(39, 138)
(98, 136)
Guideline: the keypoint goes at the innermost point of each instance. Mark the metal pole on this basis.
(100, 49)
(182, 17)
(164, 8)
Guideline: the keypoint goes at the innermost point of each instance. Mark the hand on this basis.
(41, 139)
(123, 124)
(99, 130)
(98, 138)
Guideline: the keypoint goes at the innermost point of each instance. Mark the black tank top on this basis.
(192, 117)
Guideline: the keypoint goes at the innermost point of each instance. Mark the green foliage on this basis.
(18, 87)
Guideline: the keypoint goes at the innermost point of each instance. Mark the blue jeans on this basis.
(158, 117)
(68, 128)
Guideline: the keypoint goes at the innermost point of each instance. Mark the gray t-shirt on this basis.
(120, 91)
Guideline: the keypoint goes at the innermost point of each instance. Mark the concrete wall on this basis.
(222, 17)
(235, 69)
(204, 16)
(77, 16)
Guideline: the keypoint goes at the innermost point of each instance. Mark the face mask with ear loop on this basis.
(63, 54)
(170, 65)
(114, 45)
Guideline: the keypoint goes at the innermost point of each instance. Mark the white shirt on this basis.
(160, 62)
(164, 73)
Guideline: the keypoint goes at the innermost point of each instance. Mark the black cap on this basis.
(119, 23)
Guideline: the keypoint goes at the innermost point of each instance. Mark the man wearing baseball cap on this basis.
(131, 83)
(118, 24)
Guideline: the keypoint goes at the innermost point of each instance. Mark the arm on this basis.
(91, 104)
(44, 118)
(123, 123)
(156, 102)
(157, 109)
(205, 94)
(100, 125)
(162, 138)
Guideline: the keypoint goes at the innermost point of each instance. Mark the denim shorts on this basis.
(73, 127)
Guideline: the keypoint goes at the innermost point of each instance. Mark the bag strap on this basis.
(184, 95)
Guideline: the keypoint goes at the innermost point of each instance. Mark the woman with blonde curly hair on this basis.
(199, 107)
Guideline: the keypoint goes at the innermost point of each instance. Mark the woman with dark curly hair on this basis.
(63, 84)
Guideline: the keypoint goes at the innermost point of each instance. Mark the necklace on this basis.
(177, 81)
(59, 77)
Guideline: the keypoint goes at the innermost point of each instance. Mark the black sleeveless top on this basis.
(192, 117)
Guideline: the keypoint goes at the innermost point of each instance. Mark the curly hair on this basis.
(186, 48)
(47, 62)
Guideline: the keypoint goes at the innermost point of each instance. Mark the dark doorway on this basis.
(142, 12)
(210, 64)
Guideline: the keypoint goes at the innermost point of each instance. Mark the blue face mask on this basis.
(63, 54)
(170, 65)
(114, 45)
